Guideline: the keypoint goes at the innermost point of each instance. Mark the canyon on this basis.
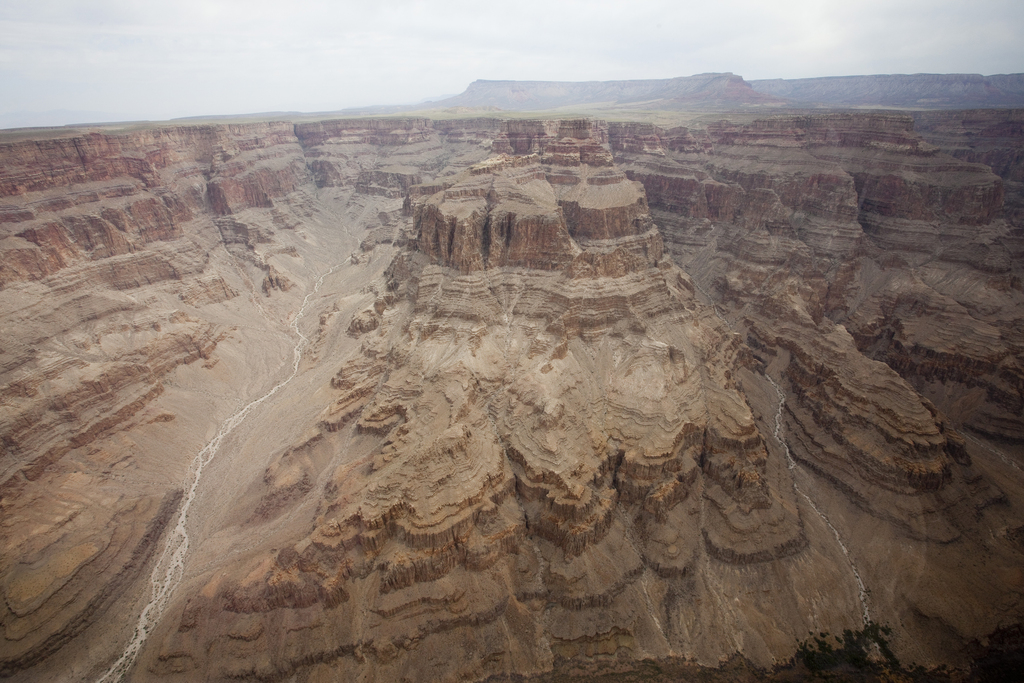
(422, 399)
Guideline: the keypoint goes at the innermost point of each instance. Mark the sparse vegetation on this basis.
(861, 649)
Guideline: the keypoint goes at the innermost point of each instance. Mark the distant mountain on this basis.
(928, 91)
(727, 90)
(703, 90)
(56, 117)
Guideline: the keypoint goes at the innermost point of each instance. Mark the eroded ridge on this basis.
(532, 481)
(843, 263)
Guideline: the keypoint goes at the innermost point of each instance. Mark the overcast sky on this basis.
(159, 60)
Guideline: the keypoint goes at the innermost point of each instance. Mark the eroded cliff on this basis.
(562, 389)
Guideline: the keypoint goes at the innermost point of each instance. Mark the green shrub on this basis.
(853, 648)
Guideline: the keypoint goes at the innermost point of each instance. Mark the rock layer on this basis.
(570, 390)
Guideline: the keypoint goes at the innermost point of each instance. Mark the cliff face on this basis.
(561, 389)
(873, 221)
(113, 248)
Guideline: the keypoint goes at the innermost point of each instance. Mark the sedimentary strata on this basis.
(538, 415)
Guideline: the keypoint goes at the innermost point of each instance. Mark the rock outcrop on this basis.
(884, 227)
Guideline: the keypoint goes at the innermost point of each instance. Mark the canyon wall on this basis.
(562, 390)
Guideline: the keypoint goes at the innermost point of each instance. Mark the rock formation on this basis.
(561, 390)
(727, 91)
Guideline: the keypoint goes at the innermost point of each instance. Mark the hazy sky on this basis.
(159, 60)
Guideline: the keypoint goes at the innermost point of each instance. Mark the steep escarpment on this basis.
(814, 235)
(558, 390)
(990, 137)
(918, 91)
(875, 220)
(559, 443)
(105, 223)
(133, 321)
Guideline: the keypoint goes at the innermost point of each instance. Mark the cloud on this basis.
(154, 60)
